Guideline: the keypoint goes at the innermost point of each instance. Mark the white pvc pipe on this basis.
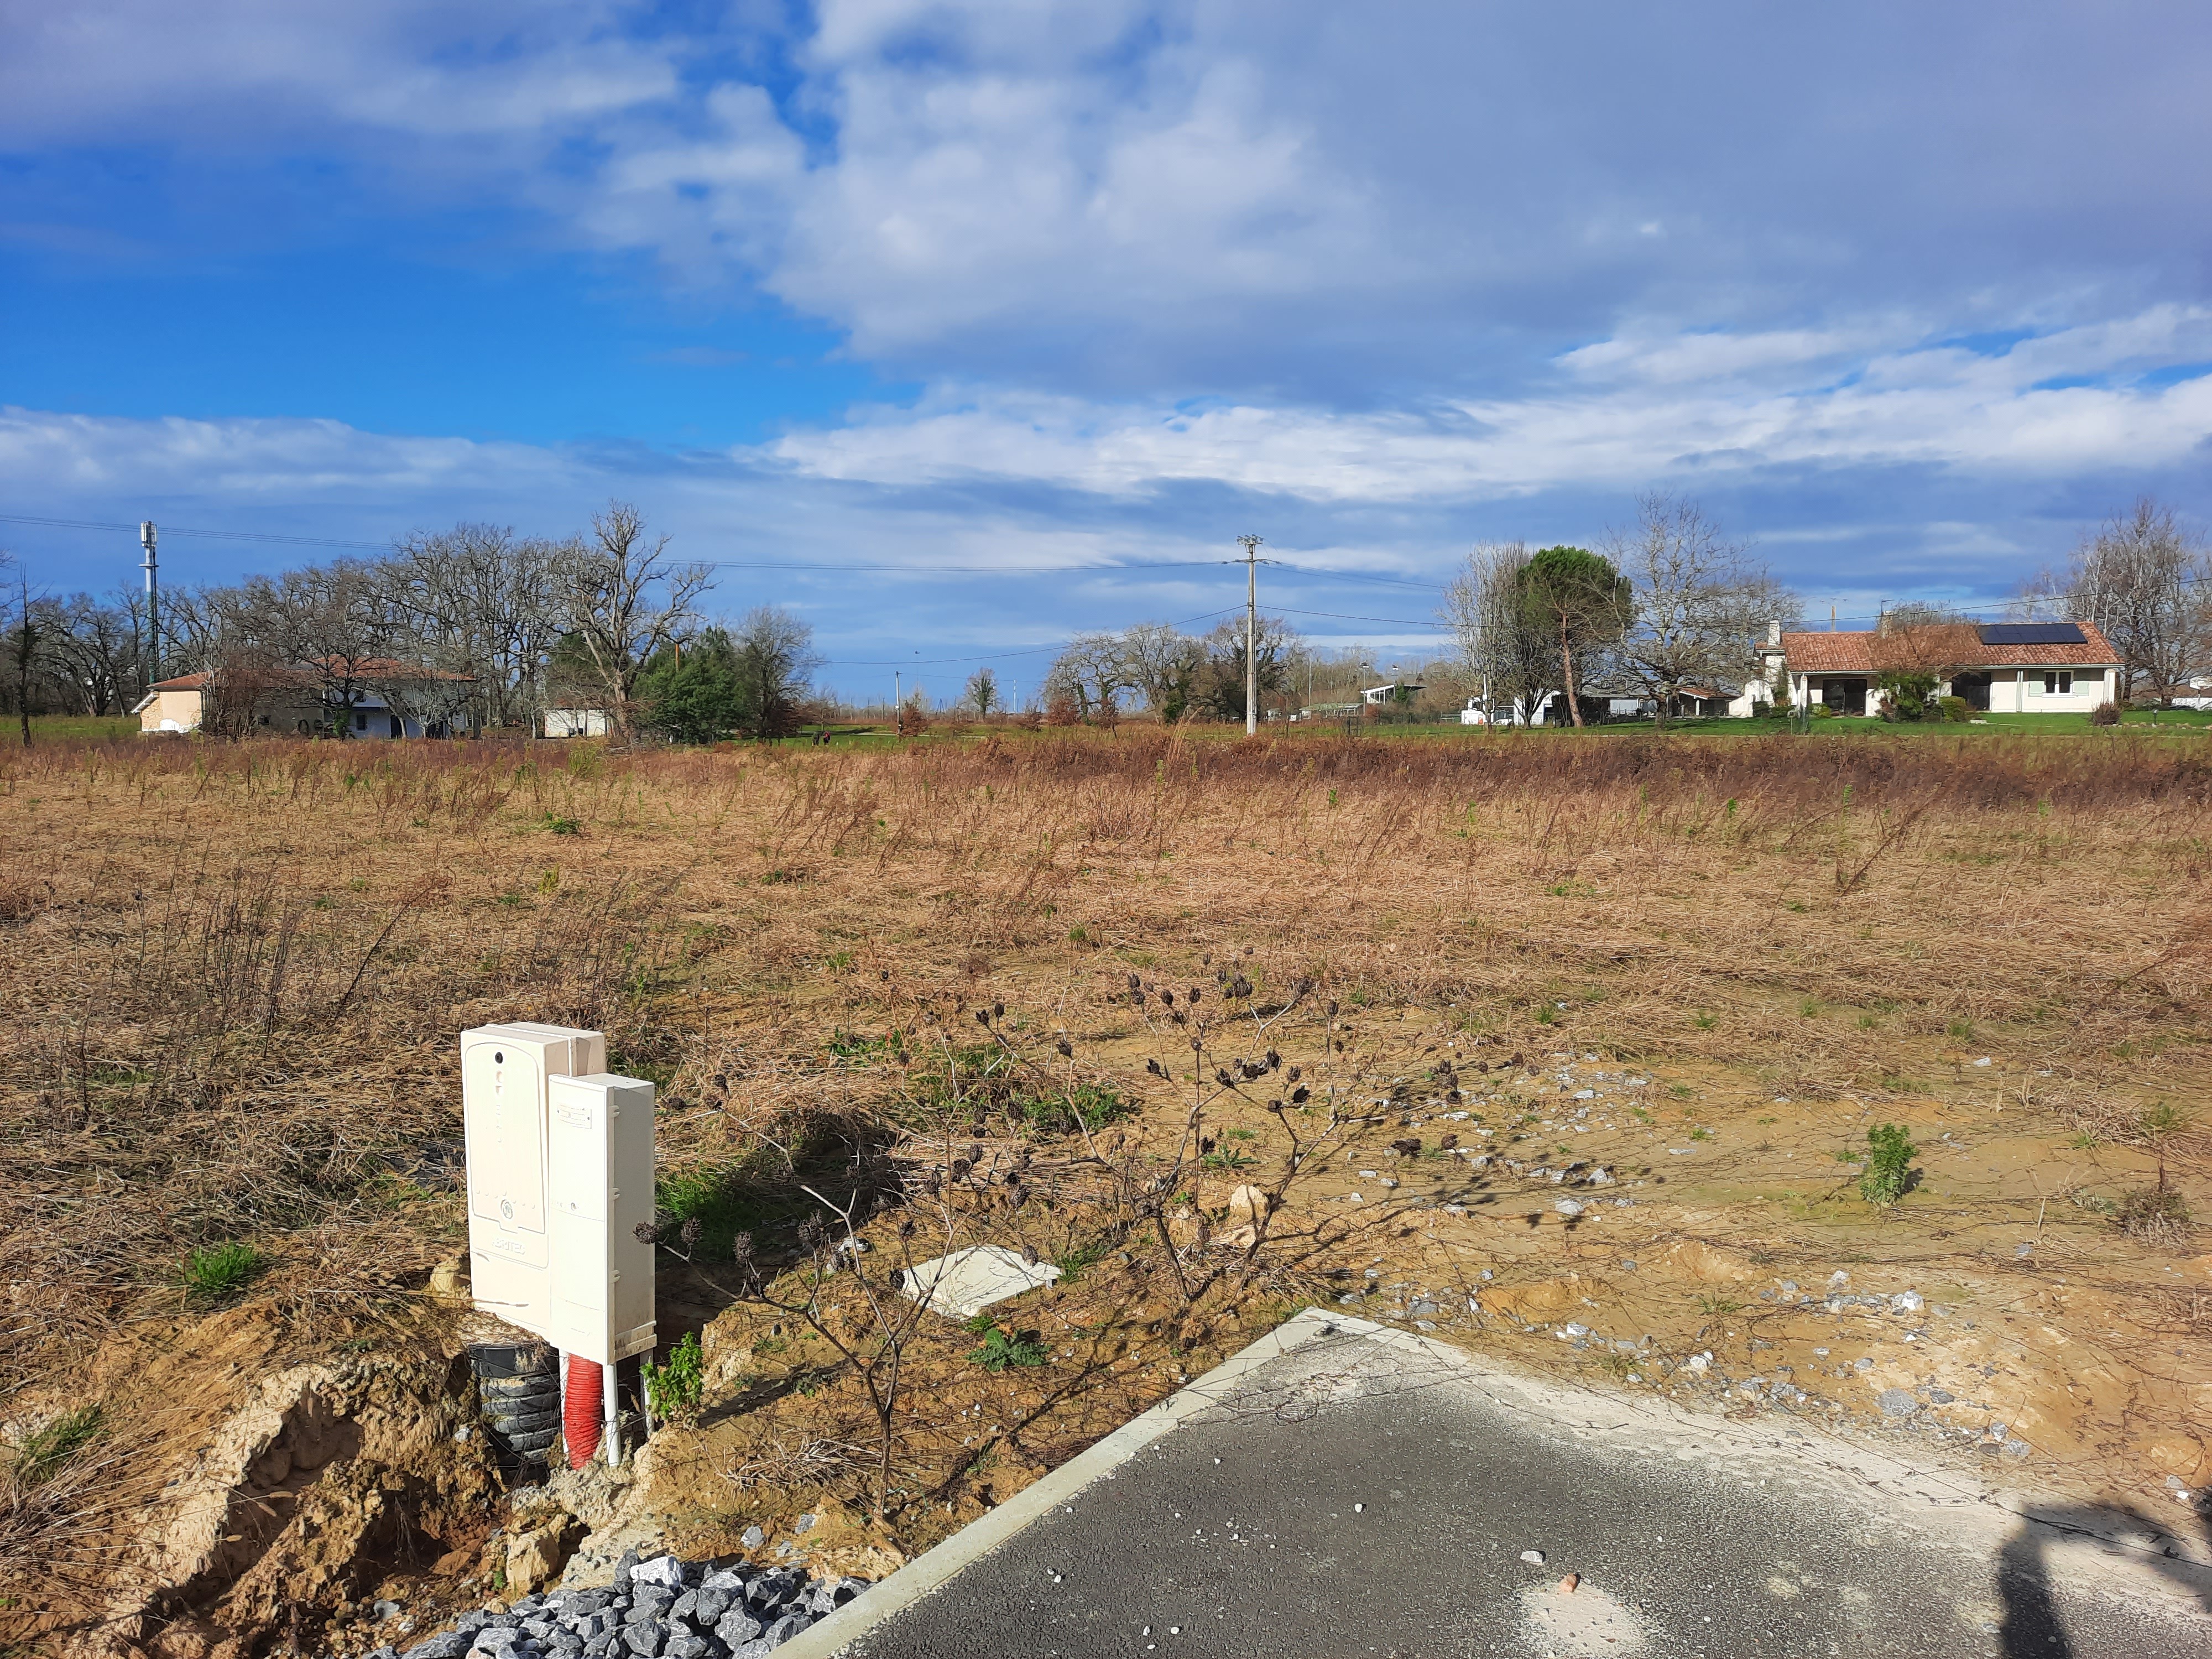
(614, 1419)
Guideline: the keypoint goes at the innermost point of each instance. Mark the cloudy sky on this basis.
(1909, 294)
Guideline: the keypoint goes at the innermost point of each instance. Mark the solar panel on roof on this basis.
(2033, 634)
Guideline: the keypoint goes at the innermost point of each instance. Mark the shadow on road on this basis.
(2032, 1627)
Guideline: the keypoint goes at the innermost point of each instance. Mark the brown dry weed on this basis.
(236, 973)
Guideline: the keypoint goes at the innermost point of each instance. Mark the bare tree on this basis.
(775, 660)
(326, 624)
(621, 599)
(1500, 643)
(1918, 646)
(2141, 580)
(1698, 605)
(1226, 672)
(1162, 664)
(476, 600)
(25, 637)
(100, 651)
(1090, 673)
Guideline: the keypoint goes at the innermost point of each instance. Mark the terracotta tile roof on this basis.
(1854, 653)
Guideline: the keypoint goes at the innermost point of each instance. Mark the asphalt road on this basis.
(1350, 1500)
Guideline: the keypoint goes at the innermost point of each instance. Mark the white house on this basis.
(577, 723)
(291, 701)
(2003, 668)
(1381, 694)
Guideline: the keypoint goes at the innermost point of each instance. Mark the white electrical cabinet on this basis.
(559, 1174)
(599, 1160)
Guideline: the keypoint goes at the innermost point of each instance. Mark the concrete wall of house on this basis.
(2032, 690)
(286, 716)
(171, 711)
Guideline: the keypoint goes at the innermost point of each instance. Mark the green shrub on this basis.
(1907, 695)
(1888, 1173)
(1954, 708)
(1001, 1352)
(1821, 711)
(42, 1455)
(210, 1275)
(674, 1390)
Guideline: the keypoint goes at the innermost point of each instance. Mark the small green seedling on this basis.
(1888, 1173)
(674, 1390)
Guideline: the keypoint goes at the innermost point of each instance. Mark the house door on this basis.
(1845, 696)
(1975, 689)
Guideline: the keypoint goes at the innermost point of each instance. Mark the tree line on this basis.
(467, 629)
(477, 628)
(1669, 606)
(1171, 673)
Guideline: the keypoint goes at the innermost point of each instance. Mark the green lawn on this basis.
(68, 728)
(63, 728)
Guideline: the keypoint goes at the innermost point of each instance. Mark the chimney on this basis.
(1774, 633)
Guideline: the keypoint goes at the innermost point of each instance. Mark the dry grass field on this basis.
(1567, 1046)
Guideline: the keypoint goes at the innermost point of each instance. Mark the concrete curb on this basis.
(930, 1571)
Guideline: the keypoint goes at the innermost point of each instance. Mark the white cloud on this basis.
(1672, 408)
(229, 71)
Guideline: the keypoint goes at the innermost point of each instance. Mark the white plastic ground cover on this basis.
(962, 1284)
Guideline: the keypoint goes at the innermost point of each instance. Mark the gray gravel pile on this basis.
(663, 1608)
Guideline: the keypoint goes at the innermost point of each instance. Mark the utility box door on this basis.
(505, 1139)
(601, 1191)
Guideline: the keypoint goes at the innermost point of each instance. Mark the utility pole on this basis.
(898, 708)
(1251, 546)
(146, 539)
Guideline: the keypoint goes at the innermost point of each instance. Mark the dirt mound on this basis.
(262, 1500)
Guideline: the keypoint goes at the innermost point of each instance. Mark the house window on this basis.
(2058, 683)
(361, 722)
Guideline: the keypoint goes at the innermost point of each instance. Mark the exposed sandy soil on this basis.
(1746, 964)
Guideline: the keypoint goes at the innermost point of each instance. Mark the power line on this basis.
(999, 656)
(205, 535)
(1341, 615)
(969, 569)
(273, 539)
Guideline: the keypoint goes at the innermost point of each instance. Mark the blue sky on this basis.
(1909, 295)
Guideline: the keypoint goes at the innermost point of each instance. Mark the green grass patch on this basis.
(1001, 1352)
(41, 1455)
(1087, 1105)
(860, 1048)
(724, 1199)
(1078, 1261)
(217, 1273)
